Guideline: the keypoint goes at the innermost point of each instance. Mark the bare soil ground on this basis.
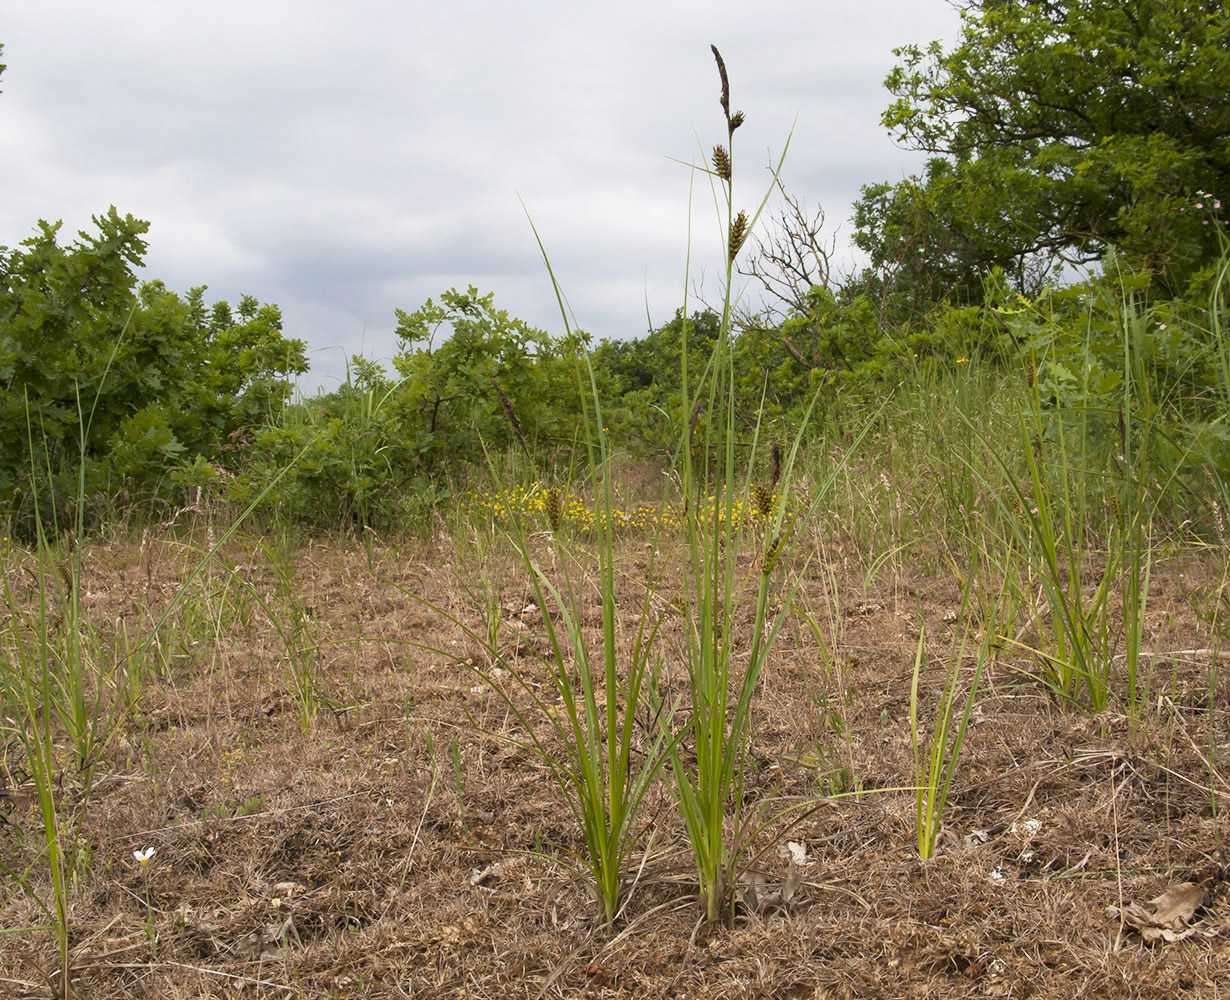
(402, 845)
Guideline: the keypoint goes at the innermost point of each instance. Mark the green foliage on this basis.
(147, 388)
(932, 239)
(835, 346)
(494, 382)
(379, 451)
(1061, 128)
(640, 381)
(1098, 349)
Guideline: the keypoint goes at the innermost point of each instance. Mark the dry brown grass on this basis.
(347, 861)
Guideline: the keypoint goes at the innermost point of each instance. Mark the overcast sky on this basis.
(344, 159)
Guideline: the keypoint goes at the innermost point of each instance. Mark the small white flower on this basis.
(996, 874)
(144, 856)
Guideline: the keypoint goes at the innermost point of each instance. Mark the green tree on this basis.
(1060, 128)
(493, 381)
(138, 382)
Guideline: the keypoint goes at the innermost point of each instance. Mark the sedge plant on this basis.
(598, 697)
(937, 756)
(711, 725)
(64, 698)
(603, 772)
(1073, 579)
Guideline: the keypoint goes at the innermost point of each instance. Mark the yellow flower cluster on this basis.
(532, 502)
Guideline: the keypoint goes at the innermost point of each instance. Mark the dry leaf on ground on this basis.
(1168, 917)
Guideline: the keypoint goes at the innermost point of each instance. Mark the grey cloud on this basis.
(346, 159)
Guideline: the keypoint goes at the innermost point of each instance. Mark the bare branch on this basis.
(793, 258)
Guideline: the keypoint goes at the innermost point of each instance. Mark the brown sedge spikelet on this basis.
(511, 414)
(721, 162)
(735, 120)
(1030, 373)
(738, 233)
(721, 64)
(775, 457)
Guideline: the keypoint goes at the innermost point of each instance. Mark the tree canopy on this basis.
(1059, 128)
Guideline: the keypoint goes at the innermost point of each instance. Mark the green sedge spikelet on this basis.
(721, 162)
(555, 507)
(771, 555)
(762, 499)
(738, 233)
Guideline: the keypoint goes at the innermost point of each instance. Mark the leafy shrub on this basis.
(136, 383)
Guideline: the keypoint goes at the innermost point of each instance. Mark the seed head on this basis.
(736, 120)
(721, 162)
(771, 556)
(762, 499)
(1116, 509)
(775, 454)
(725, 81)
(555, 507)
(511, 415)
(1030, 374)
(738, 233)
(1219, 524)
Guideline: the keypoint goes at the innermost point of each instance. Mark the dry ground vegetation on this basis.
(333, 800)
